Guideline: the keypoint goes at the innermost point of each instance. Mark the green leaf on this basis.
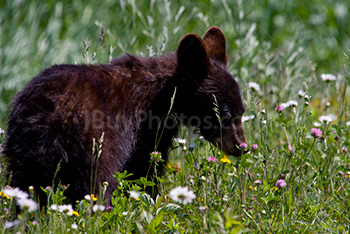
(155, 222)
(169, 208)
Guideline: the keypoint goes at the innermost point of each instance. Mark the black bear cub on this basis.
(130, 102)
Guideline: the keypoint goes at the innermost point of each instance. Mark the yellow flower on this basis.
(274, 188)
(93, 197)
(4, 195)
(250, 187)
(75, 213)
(225, 160)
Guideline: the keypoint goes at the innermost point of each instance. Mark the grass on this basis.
(284, 46)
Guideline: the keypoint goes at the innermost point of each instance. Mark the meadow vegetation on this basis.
(291, 59)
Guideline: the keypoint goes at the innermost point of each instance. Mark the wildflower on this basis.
(301, 93)
(66, 209)
(327, 118)
(282, 106)
(8, 225)
(74, 226)
(225, 160)
(246, 118)
(180, 141)
(15, 193)
(75, 213)
(125, 213)
(87, 197)
(2, 131)
(347, 123)
(93, 197)
(212, 159)
(156, 156)
(53, 207)
(27, 204)
(281, 183)
(254, 86)
(135, 195)
(243, 146)
(315, 132)
(4, 195)
(254, 147)
(317, 124)
(290, 149)
(98, 208)
(182, 195)
(328, 77)
(35, 223)
(203, 208)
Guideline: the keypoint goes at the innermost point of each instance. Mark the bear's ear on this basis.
(192, 57)
(215, 40)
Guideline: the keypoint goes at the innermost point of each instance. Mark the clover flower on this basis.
(281, 183)
(212, 159)
(316, 132)
(328, 77)
(182, 195)
(254, 147)
(243, 146)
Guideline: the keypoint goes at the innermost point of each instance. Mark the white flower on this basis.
(8, 225)
(203, 208)
(246, 118)
(66, 209)
(327, 118)
(87, 197)
(74, 226)
(2, 131)
(53, 207)
(27, 204)
(317, 124)
(182, 195)
(125, 213)
(292, 103)
(301, 93)
(15, 193)
(134, 195)
(180, 141)
(328, 77)
(97, 208)
(347, 123)
(254, 86)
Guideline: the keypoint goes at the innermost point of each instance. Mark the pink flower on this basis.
(315, 132)
(156, 156)
(280, 108)
(212, 159)
(281, 183)
(290, 149)
(243, 146)
(254, 147)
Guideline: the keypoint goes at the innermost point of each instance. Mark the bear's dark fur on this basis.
(56, 116)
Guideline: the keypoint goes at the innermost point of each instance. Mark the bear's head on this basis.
(216, 105)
